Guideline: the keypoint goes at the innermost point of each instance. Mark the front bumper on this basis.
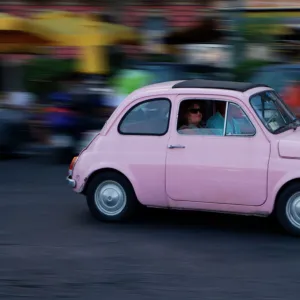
(71, 181)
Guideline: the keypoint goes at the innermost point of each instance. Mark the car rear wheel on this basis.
(288, 209)
(110, 197)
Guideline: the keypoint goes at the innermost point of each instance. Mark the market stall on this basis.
(16, 39)
(90, 36)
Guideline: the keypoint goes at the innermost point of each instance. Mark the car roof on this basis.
(213, 84)
(193, 85)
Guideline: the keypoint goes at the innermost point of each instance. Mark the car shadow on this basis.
(181, 220)
(208, 221)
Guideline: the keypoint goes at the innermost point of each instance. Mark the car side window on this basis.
(149, 117)
(237, 122)
(207, 117)
(201, 117)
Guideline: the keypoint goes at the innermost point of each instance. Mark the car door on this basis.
(227, 169)
(137, 146)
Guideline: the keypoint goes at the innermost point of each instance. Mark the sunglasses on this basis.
(194, 110)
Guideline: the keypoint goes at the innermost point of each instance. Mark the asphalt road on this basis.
(51, 248)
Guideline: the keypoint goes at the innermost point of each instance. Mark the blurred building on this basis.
(155, 19)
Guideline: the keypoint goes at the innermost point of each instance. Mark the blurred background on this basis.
(66, 65)
(64, 68)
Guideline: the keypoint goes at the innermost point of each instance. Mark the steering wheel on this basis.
(272, 118)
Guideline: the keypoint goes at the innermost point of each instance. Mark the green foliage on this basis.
(257, 30)
(39, 73)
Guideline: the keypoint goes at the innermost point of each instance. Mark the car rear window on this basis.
(149, 117)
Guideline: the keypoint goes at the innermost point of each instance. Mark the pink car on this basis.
(199, 145)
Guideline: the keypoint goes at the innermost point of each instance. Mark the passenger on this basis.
(216, 121)
(192, 117)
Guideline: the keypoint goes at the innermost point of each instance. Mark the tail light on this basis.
(72, 164)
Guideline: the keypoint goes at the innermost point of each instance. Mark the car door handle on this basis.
(176, 146)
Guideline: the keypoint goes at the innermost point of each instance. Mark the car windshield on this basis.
(272, 111)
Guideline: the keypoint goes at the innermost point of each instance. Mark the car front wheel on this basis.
(110, 197)
(288, 209)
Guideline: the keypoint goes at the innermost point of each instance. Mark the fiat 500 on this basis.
(195, 144)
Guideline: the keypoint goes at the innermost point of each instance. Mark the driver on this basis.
(192, 118)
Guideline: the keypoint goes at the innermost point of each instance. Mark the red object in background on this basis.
(65, 52)
(59, 110)
(177, 15)
(291, 96)
(16, 57)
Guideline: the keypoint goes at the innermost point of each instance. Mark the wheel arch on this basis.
(283, 187)
(102, 171)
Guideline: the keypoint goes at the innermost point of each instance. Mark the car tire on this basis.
(288, 209)
(110, 197)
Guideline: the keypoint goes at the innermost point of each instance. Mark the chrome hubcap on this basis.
(293, 210)
(110, 198)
